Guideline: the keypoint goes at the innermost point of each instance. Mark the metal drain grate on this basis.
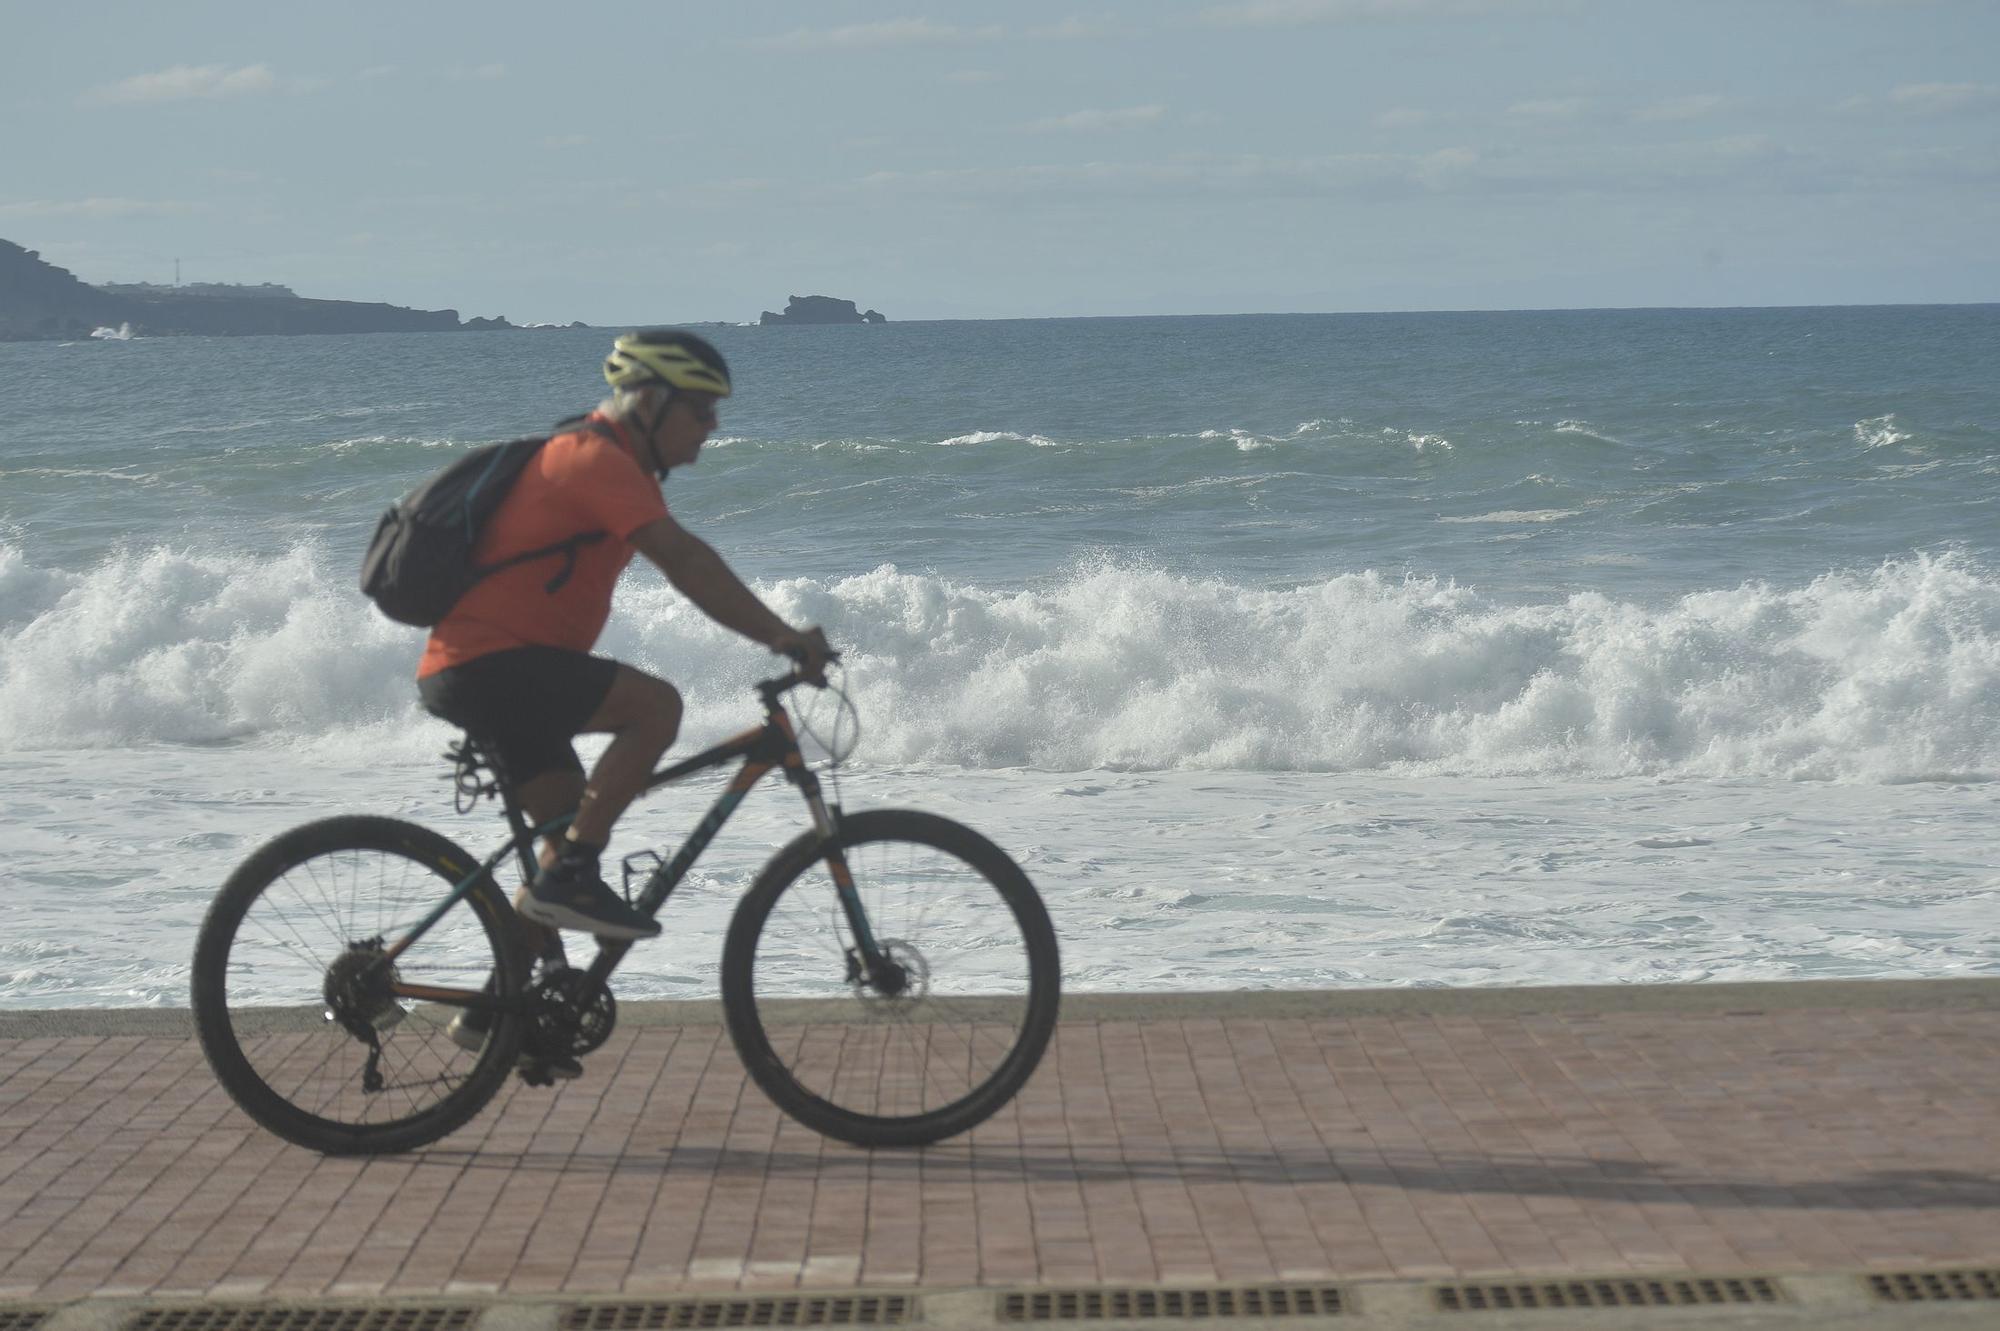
(1935, 1286)
(1621, 1292)
(22, 1319)
(1091, 1305)
(829, 1310)
(214, 1317)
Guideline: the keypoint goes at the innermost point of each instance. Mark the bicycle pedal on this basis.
(535, 1074)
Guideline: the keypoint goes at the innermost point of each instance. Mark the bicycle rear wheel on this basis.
(978, 999)
(291, 994)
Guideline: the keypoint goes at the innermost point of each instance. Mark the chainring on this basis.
(571, 1013)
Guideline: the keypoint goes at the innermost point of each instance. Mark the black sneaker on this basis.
(468, 1032)
(547, 1071)
(569, 895)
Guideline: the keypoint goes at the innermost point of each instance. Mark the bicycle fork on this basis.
(867, 963)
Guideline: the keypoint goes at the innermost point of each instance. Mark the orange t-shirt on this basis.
(579, 482)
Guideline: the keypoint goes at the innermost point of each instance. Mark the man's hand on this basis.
(809, 649)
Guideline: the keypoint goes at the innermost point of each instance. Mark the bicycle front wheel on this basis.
(977, 986)
(292, 986)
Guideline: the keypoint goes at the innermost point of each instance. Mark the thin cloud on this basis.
(1692, 107)
(1441, 171)
(1075, 28)
(1728, 165)
(1301, 13)
(183, 83)
(878, 36)
(1404, 117)
(1130, 117)
(1925, 99)
(1944, 98)
(96, 209)
(720, 193)
(1548, 108)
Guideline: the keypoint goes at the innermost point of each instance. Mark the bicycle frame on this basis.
(762, 749)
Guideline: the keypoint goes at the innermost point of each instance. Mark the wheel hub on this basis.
(357, 989)
(905, 975)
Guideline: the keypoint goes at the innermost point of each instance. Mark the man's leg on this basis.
(642, 715)
(550, 795)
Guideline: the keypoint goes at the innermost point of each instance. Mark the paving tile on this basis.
(1182, 1150)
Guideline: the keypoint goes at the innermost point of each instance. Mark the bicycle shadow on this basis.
(1577, 1177)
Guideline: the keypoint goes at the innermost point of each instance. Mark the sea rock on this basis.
(821, 310)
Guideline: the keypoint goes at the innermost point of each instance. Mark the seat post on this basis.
(517, 818)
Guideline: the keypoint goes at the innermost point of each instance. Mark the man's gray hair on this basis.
(626, 403)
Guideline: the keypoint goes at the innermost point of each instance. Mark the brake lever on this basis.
(818, 681)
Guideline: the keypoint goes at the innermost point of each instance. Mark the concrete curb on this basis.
(1939, 995)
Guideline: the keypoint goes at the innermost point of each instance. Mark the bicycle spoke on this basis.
(902, 1046)
(284, 983)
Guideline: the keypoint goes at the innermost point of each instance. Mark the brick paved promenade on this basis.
(1184, 1140)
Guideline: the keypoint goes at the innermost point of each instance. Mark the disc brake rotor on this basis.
(913, 975)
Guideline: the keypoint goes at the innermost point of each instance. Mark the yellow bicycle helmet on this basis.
(666, 356)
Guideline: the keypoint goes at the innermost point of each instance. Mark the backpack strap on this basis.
(567, 548)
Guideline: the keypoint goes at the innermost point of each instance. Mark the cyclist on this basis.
(511, 662)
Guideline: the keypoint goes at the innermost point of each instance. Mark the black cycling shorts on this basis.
(523, 706)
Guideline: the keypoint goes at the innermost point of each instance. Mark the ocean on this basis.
(1283, 651)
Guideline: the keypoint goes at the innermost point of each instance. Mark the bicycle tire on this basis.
(783, 1034)
(294, 908)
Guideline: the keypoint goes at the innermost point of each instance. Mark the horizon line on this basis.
(1290, 314)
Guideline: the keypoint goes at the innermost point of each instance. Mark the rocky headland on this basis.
(41, 302)
(822, 310)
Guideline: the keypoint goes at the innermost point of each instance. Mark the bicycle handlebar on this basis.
(785, 683)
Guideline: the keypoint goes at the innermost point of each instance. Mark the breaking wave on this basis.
(1882, 675)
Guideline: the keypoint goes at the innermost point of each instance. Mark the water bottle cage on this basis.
(642, 864)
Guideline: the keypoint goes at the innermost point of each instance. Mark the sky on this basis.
(622, 163)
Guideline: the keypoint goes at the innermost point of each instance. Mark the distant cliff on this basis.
(821, 310)
(39, 301)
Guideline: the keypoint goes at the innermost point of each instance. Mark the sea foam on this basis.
(1877, 676)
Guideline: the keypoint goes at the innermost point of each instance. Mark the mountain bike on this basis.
(890, 978)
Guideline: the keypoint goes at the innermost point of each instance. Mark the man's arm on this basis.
(694, 568)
